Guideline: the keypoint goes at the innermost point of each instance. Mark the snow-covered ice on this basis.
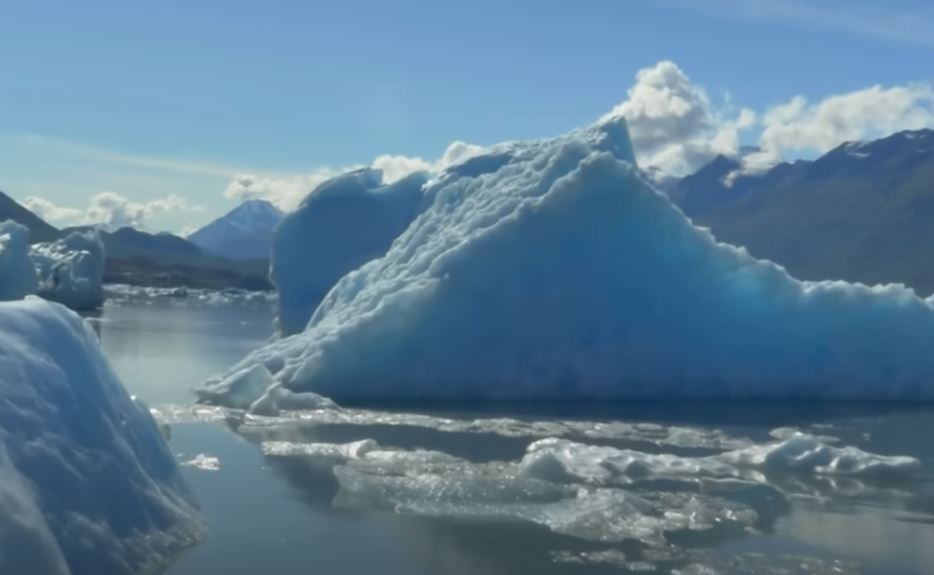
(17, 275)
(89, 485)
(71, 269)
(552, 269)
(342, 224)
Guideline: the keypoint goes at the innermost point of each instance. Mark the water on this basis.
(289, 514)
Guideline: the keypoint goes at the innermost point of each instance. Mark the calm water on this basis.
(272, 514)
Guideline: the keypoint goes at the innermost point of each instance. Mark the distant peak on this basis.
(258, 205)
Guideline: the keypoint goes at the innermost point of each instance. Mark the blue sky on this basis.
(148, 100)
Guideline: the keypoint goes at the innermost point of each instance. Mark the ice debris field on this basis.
(552, 269)
(645, 496)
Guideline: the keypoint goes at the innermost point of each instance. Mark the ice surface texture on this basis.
(342, 224)
(17, 276)
(597, 493)
(88, 484)
(71, 270)
(552, 269)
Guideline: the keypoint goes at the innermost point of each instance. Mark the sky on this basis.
(167, 114)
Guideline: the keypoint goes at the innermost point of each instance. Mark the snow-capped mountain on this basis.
(245, 232)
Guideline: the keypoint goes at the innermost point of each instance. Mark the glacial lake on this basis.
(433, 502)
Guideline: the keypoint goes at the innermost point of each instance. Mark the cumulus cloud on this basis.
(115, 210)
(289, 190)
(110, 209)
(51, 212)
(674, 127)
(799, 127)
(284, 191)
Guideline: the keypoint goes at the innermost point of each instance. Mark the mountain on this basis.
(39, 229)
(862, 212)
(165, 260)
(245, 232)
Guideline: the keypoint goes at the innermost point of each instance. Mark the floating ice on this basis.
(552, 270)
(204, 462)
(123, 292)
(342, 224)
(596, 493)
(563, 460)
(655, 434)
(802, 452)
(17, 276)
(433, 483)
(71, 270)
(88, 484)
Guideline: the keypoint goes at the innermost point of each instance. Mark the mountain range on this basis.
(155, 259)
(861, 212)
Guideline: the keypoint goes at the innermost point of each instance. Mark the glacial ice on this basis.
(342, 224)
(591, 492)
(17, 275)
(552, 270)
(88, 484)
(71, 270)
(563, 460)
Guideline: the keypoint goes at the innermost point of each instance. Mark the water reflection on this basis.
(162, 348)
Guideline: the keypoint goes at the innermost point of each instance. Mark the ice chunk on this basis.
(561, 460)
(342, 224)
(433, 483)
(240, 389)
(17, 275)
(71, 270)
(204, 462)
(88, 484)
(803, 452)
(557, 272)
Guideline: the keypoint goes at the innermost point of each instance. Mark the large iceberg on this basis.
(88, 484)
(71, 270)
(342, 224)
(17, 276)
(552, 269)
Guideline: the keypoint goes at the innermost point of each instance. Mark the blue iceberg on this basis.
(553, 270)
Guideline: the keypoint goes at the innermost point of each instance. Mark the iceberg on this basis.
(552, 269)
(71, 270)
(88, 484)
(17, 276)
(342, 224)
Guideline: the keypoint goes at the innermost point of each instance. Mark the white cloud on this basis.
(675, 129)
(51, 212)
(673, 125)
(287, 191)
(799, 127)
(397, 167)
(115, 210)
(110, 209)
